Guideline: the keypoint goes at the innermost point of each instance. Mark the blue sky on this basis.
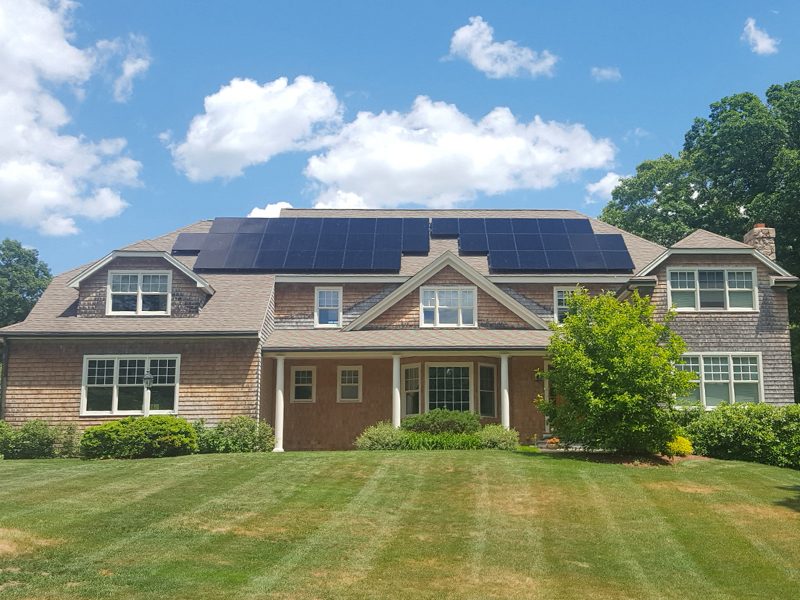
(261, 141)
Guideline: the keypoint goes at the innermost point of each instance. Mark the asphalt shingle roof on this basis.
(702, 239)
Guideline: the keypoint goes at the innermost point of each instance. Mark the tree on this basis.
(23, 278)
(613, 366)
(738, 167)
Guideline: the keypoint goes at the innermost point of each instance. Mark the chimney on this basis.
(762, 238)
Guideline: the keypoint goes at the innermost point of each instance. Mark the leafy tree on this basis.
(23, 278)
(613, 365)
(738, 166)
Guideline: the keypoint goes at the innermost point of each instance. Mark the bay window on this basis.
(130, 385)
(449, 306)
(712, 289)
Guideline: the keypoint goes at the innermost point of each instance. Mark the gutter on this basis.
(123, 334)
(636, 282)
(396, 349)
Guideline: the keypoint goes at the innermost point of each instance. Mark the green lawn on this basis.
(411, 525)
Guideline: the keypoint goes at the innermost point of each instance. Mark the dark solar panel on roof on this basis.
(444, 228)
(226, 225)
(188, 243)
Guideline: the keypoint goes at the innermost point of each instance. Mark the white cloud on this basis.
(135, 64)
(270, 211)
(475, 43)
(437, 156)
(49, 179)
(635, 134)
(601, 189)
(245, 124)
(606, 74)
(759, 40)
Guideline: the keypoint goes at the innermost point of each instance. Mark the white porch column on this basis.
(505, 416)
(396, 390)
(278, 404)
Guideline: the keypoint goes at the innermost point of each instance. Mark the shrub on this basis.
(140, 437)
(35, 439)
(238, 434)
(446, 440)
(680, 446)
(440, 420)
(498, 437)
(67, 441)
(6, 439)
(751, 432)
(381, 436)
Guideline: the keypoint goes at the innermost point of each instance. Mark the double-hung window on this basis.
(328, 307)
(303, 380)
(349, 384)
(411, 389)
(722, 378)
(130, 385)
(487, 390)
(712, 289)
(449, 306)
(139, 293)
(561, 309)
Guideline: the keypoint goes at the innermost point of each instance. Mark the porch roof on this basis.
(322, 340)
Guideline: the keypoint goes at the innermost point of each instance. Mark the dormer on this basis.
(140, 284)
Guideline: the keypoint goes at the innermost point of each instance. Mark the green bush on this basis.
(140, 437)
(498, 437)
(238, 434)
(384, 436)
(440, 420)
(680, 446)
(751, 432)
(381, 436)
(37, 439)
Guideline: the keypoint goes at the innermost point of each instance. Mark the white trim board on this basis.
(706, 251)
(444, 260)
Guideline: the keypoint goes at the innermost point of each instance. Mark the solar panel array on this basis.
(305, 244)
(362, 245)
(537, 245)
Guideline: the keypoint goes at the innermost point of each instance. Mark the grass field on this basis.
(464, 524)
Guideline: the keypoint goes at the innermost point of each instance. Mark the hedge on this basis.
(384, 436)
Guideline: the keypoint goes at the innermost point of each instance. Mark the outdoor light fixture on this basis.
(148, 379)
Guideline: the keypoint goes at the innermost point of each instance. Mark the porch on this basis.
(324, 400)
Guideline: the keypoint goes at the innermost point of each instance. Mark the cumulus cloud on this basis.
(135, 64)
(49, 179)
(475, 43)
(435, 155)
(245, 124)
(759, 40)
(606, 74)
(270, 211)
(601, 189)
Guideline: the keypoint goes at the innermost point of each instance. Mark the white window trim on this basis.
(319, 289)
(339, 370)
(313, 384)
(494, 391)
(546, 393)
(450, 364)
(114, 399)
(731, 381)
(403, 390)
(696, 309)
(436, 289)
(557, 289)
(138, 312)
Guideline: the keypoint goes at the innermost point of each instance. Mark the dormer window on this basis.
(139, 293)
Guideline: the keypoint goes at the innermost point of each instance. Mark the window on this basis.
(115, 385)
(303, 384)
(722, 378)
(411, 389)
(328, 307)
(449, 386)
(447, 307)
(349, 384)
(712, 289)
(560, 308)
(487, 390)
(133, 293)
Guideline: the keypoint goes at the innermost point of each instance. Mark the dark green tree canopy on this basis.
(23, 278)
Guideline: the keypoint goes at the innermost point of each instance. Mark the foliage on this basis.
(37, 439)
(23, 278)
(680, 446)
(498, 437)
(752, 432)
(384, 436)
(440, 420)
(614, 367)
(140, 437)
(238, 434)
(738, 167)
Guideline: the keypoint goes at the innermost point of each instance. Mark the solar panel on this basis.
(583, 242)
(363, 226)
(188, 243)
(389, 242)
(472, 226)
(498, 226)
(552, 226)
(500, 242)
(386, 261)
(214, 251)
(528, 241)
(589, 261)
(416, 236)
(332, 240)
(473, 243)
(503, 261)
(525, 226)
(389, 227)
(560, 260)
(253, 225)
(360, 242)
(226, 225)
(578, 226)
(328, 260)
(555, 241)
(611, 241)
(617, 261)
(269, 260)
(243, 251)
(299, 261)
(444, 228)
(357, 261)
(533, 260)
